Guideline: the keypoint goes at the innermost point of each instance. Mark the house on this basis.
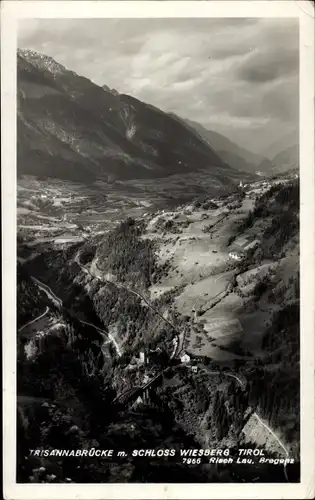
(252, 245)
(240, 241)
(143, 358)
(185, 358)
(236, 255)
(194, 369)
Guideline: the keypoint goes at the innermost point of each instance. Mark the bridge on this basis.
(133, 393)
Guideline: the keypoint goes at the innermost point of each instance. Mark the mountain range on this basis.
(72, 129)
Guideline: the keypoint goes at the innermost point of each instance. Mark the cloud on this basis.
(237, 76)
(268, 62)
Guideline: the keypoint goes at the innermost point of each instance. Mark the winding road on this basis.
(50, 294)
(34, 320)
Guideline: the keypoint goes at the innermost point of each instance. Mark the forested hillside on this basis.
(275, 377)
(278, 211)
(127, 256)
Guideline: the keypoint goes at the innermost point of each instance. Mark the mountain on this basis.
(72, 129)
(282, 155)
(236, 156)
(284, 161)
(287, 141)
(287, 159)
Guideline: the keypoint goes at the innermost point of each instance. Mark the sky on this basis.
(238, 77)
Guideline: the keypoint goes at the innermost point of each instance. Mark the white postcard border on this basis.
(11, 11)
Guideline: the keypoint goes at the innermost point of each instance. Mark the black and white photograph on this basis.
(158, 250)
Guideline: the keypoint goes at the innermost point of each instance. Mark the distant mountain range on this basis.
(286, 160)
(234, 155)
(281, 144)
(70, 128)
(281, 156)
